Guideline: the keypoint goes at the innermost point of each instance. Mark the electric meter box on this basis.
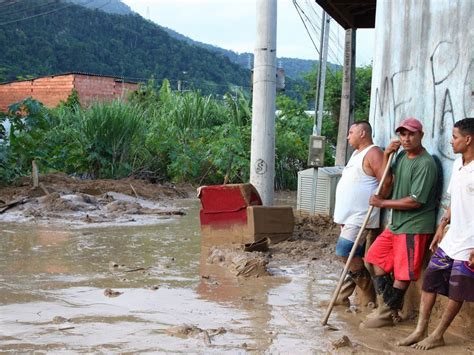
(316, 151)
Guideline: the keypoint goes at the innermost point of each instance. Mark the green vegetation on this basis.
(163, 135)
(75, 38)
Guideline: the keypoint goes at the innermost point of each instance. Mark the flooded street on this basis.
(53, 296)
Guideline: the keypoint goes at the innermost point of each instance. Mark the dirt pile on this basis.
(240, 263)
(64, 199)
(65, 184)
(313, 237)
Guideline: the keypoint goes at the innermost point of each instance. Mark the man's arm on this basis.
(406, 203)
(378, 160)
(471, 258)
(374, 166)
(440, 231)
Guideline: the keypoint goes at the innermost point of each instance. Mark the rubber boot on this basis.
(382, 316)
(365, 291)
(390, 301)
(347, 290)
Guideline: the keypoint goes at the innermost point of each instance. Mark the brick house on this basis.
(51, 90)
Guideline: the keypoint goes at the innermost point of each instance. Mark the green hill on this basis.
(294, 67)
(43, 37)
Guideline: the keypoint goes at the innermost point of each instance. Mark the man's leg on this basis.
(357, 275)
(437, 339)
(459, 288)
(421, 331)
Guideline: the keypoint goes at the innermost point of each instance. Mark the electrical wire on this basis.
(22, 10)
(41, 14)
(297, 7)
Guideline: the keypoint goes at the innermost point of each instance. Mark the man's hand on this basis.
(392, 147)
(471, 258)
(376, 201)
(437, 238)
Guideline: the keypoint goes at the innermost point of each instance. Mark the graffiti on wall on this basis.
(450, 91)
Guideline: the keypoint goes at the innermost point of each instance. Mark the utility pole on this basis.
(346, 116)
(262, 153)
(321, 81)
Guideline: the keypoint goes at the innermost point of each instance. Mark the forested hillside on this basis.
(42, 37)
(294, 67)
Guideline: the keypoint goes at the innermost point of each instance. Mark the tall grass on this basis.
(109, 136)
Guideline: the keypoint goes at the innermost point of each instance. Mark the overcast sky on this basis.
(230, 24)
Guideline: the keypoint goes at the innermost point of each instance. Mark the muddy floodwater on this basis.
(134, 289)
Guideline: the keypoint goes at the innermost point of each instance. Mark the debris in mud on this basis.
(61, 198)
(153, 287)
(186, 331)
(67, 328)
(59, 320)
(314, 237)
(342, 342)
(239, 263)
(111, 293)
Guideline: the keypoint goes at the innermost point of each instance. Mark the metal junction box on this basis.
(316, 151)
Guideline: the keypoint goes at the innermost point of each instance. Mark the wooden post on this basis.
(346, 116)
(34, 173)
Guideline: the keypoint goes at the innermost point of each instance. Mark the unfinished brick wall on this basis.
(52, 90)
(99, 88)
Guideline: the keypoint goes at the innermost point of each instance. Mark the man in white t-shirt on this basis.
(358, 182)
(451, 268)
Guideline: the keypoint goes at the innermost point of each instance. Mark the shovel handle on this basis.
(354, 247)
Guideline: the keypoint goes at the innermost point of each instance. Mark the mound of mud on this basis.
(313, 237)
(65, 184)
(239, 263)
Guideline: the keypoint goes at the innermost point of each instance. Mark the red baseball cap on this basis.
(411, 124)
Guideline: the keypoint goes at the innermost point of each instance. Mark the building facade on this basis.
(51, 90)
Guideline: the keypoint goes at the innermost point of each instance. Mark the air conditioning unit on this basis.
(317, 190)
(326, 183)
(306, 195)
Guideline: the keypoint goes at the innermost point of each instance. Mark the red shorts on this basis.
(400, 253)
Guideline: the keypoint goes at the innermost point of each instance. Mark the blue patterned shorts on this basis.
(448, 277)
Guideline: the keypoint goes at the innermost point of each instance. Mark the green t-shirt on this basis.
(417, 179)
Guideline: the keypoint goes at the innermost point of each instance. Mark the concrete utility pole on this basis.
(262, 154)
(346, 116)
(321, 82)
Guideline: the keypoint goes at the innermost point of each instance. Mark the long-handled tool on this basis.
(354, 247)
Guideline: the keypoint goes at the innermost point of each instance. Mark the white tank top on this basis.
(353, 192)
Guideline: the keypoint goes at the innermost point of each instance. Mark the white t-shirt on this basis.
(353, 192)
(459, 239)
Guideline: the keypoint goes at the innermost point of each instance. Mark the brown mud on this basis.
(63, 199)
(148, 288)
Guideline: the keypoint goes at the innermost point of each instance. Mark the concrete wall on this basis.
(424, 67)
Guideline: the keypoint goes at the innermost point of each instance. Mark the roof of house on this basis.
(73, 73)
(351, 14)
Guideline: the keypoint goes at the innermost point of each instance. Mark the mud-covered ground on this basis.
(72, 285)
(63, 199)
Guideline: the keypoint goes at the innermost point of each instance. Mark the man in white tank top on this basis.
(359, 181)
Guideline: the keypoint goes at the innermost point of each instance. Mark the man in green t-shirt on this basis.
(401, 247)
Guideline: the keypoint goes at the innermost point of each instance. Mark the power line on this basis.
(297, 7)
(41, 14)
(26, 8)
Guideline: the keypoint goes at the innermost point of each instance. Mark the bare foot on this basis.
(413, 338)
(429, 343)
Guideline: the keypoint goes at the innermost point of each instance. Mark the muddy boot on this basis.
(389, 302)
(347, 290)
(366, 291)
(382, 316)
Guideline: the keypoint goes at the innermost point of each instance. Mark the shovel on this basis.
(354, 247)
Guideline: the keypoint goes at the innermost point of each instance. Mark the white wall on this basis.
(424, 68)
